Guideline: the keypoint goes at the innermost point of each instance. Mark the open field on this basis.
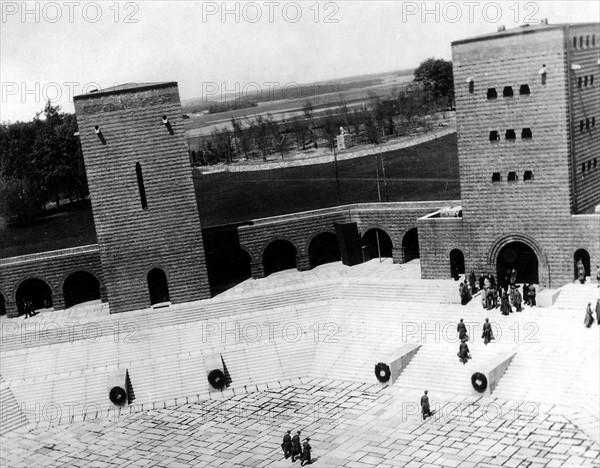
(424, 172)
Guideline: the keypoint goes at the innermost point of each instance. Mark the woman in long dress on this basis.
(589, 318)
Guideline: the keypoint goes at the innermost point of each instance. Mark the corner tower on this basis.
(142, 193)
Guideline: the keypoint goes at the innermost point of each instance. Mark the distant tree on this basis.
(331, 124)
(436, 77)
(300, 130)
(263, 134)
(371, 128)
(308, 110)
(242, 136)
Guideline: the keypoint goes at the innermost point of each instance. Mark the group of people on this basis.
(28, 308)
(291, 448)
(493, 295)
(463, 351)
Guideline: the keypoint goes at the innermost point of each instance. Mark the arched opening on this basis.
(410, 245)
(157, 285)
(279, 255)
(323, 248)
(520, 257)
(229, 268)
(376, 243)
(584, 256)
(35, 291)
(457, 263)
(79, 287)
(2, 305)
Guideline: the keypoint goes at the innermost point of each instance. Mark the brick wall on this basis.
(133, 239)
(51, 267)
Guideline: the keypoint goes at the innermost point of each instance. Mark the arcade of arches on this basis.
(36, 291)
(410, 245)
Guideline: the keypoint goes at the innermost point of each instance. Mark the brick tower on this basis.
(142, 193)
(527, 114)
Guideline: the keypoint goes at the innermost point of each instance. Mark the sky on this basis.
(54, 50)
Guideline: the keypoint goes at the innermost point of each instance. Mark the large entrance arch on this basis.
(323, 248)
(279, 255)
(457, 263)
(520, 257)
(79, 287)
(158, 287)
(410, 245)
(584, 256)
(36, 291)
(376, 243)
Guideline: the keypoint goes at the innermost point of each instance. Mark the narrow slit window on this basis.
(471, 87)
(587, 41)
(581, 42)
(595, 162)
(591, 80)
(507, 92)
(581, 125)
(589, 165)
(512, 176)
(496, 177)
(579, 82)
(575, 43)
(140, 180)
(587, 123)
(582, 167)
(510, 135)
(593, 122)
(491, 93)
(585, 80)
(594, 40)
(494, 136)
(526, 133)
(524, 90)
(528, 175)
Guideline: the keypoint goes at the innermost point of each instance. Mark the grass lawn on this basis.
(424, 172)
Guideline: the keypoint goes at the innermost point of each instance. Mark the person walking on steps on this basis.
(306, 460)
(286, 445)
(425, 409)
(296, 447)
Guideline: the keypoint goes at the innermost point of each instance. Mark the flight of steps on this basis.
(576, 296)
(11, 416)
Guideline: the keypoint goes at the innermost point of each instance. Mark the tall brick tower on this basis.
(528, 124)
(142, 193)
(528, 104)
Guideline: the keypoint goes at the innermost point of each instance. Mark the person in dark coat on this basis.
(517, 299)
(463, 352)
(465, 297)
(287, 445)
(598, 311)
(532, 295)
(504, 304)
(296, 447)
(425, 409)
(589, 318)
(487, 334)
(481, 282)
(526, 293)
(513, 277)
(580, 271)
(306, 452)
(461, 328)
(472, 282)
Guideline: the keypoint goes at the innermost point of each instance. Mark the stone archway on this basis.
(584, 256)
(377, 243)
(158, 286)
(80, 286)
(323, 248)
(410, 245)
(521, 257)
(36, 291)
(279, 255)
(457, 263)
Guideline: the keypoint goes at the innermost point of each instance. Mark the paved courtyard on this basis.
(350, 425)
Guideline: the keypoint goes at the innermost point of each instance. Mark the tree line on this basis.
(379, 118)
(41, 164)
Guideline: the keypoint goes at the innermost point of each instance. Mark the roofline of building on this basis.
(166, 84)
(520, 31)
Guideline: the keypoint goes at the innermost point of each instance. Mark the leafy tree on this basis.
(436, 77)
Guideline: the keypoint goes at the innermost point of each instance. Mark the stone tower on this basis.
(142, 193)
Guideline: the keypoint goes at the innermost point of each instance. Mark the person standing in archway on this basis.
(580, 271)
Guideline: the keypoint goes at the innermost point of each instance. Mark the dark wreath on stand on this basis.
(479, 382)
(382, 372)
(216, 378)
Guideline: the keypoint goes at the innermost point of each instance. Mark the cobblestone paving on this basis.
(350, 425)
